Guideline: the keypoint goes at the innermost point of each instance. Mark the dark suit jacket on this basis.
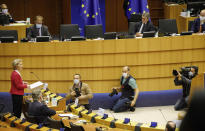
(146, 28)
(196, 26)
(40, 111)
(33, 31)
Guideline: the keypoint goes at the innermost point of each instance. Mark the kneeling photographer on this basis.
(80, 91)
(129, 91)
(184, 78)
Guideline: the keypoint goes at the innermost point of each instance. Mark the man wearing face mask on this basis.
(199, 23)
(186, 85)
(129, 92)
(38, 29)
(80, 91)
(5, 11)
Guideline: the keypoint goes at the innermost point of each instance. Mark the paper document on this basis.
(36, 84)
(66, 115)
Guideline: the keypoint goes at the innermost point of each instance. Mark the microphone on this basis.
(162, 115)
(45, 84)
(35, 75)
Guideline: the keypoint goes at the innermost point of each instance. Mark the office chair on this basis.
(168, 26)
(135, 18)
(69, 30)
(76, 127)
(55, 123)
(9, 33)
(132, 28)
(190, 25)
(30, 118)
(93, 31)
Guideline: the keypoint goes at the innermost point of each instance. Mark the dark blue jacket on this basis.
(196, 26)
(40, 111)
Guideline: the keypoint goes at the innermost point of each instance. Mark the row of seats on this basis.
(69, 31)
(165, 26)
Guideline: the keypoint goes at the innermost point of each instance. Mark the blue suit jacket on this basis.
(40, 111)
(196, 26)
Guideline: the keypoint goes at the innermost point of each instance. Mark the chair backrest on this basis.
(9, 33)
(135, 18)
(76, 127)
(190, 25)
(4, 20)
(55, 123)
(168, 26)
(132, 28)
(69, 30)
(29, 118)
(93, 31)
(27, 30)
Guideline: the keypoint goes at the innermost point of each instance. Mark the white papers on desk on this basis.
(66, 115)
(71, 116)
(36, 84)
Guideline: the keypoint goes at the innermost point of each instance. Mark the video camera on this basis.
(114, 92)
(185, 71)
(77, 92)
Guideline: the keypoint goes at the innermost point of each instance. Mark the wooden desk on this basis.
(184, 23)
(173, 12)
(100, 63)
(21, 29)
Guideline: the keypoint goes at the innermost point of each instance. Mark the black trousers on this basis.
(17, 104)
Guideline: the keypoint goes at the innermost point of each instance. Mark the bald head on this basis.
(202, 13)
(170, 126)
(4, 6)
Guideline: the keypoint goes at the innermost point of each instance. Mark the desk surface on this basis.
(100, 63)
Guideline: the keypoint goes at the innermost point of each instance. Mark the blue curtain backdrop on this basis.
(87, 12)
(136, 6)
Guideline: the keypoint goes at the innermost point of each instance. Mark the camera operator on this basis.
(184, 78)
(129, 91)
(80, 91)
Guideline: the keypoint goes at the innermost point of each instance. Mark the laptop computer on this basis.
(42, 39)
(148, 34)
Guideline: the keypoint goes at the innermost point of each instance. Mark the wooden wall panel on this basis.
(151, 61)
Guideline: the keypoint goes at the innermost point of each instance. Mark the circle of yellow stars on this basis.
(88, 15)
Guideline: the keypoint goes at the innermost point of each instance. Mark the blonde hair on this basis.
(15, 63)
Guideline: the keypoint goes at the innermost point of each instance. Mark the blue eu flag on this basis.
(90, 12)
(136, 6)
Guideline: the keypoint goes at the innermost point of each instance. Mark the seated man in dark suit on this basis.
(144, 26)
(199, 23)
(39, 110)
(38, 29)
(5, 11)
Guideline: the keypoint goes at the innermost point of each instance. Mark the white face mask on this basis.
(76, 81)
(202, 18)
(124, 75)
(38, 25)
(5, 11)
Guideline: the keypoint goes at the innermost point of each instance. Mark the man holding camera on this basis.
(129, 91)
(184, 78)
(80, 91)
